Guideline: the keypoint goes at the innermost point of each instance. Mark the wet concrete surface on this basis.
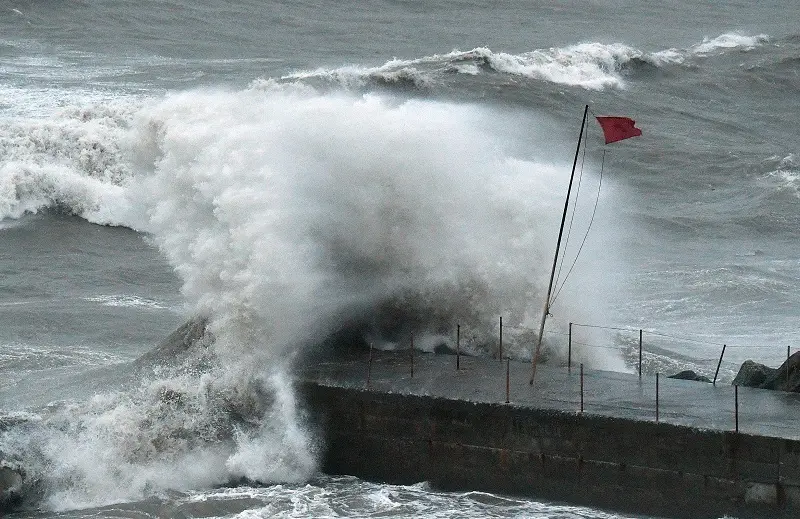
(623, 395)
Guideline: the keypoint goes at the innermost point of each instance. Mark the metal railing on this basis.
(640, 336)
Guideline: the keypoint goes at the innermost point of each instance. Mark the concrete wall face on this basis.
(628, 465)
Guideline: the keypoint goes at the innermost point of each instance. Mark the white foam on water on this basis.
(356, 498)
(126, 301)
(787, 173)
(727, 41)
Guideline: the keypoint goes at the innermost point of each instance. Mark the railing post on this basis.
(719, 364)
(736, 405)
(657, 375)
(508, 380)
(569, 350)
(412, 354)
(369, 367)
(581, 387)
(640, 353)
(501, 338)
(458, 347)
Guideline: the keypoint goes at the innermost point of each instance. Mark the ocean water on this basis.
(292, 169)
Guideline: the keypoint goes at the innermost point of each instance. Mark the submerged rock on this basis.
(690, 375)
(784, 378)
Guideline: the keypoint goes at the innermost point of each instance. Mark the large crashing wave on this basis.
(288, 214)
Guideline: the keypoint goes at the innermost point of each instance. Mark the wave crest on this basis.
(593, 65)
(74, 163)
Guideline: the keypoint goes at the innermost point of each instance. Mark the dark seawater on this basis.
(290, 168)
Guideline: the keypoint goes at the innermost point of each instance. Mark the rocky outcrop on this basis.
(690, 375)
(785, 378)
(190, 336)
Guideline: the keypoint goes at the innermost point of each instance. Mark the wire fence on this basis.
(646, 350)
(638, 345)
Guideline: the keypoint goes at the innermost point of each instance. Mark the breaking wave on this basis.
(73, 162)
(593, 66)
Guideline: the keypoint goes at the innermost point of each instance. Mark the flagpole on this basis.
(558, 246)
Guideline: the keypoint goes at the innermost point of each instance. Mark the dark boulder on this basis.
(753, 374)
(690, 375)
(785, 378)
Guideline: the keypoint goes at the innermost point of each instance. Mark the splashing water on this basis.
(288, 214)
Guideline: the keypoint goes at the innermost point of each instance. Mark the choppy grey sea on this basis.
(292, 169)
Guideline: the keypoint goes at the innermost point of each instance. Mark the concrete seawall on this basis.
(403, 436)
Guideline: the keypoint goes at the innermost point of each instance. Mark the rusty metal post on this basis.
(412, 354)
(657, 375)
(736, 405)
(458, 347)
(640, 353)
(508, 380)
(569, 350)
(581, 387)
(719, 364)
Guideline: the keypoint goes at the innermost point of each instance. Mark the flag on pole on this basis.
(618, 128)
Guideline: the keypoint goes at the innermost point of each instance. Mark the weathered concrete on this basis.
(455, 430)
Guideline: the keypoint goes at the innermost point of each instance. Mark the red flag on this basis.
(618, 128)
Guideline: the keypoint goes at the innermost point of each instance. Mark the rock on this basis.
(189, 336)
(690, 375)
(444, 349)
(11, 481)
(785, 378)
(753, 374)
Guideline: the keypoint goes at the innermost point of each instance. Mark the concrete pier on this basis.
(454, 429)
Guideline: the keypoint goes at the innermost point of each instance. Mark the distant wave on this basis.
(127, 301)
(787, 172)
(729, 41)
(593, 66)
(393, 72)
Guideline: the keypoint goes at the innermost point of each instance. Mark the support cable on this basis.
(591, 221)
(571, 220)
